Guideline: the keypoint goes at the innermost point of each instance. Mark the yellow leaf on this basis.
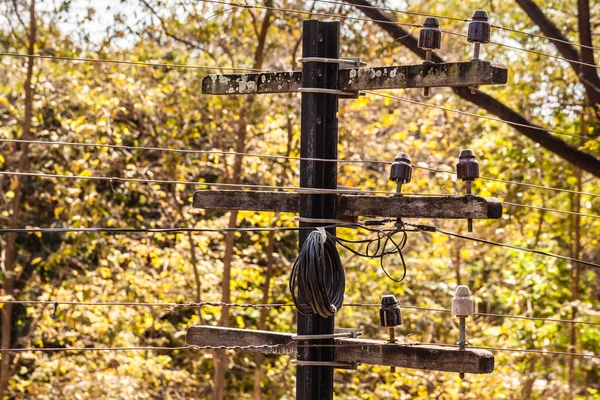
(36, 260)
(86, 172)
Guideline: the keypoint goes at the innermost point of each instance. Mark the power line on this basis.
(414, 13)
(142, 304)
(424, 14)
(126, 62)
(177, 306)
(512, 350)
(480, 116)
(540, 53)
(283, 346)
(276, 157)
(246, 186)
(553, 39)
(427, 228)
(296, 11)
(554, 210)
(190, 151)
(230, 185)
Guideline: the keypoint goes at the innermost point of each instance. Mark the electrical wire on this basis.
(424, 14)
(540, 53)
(554, 210)
(381, 243)
(480, 116)
(126, 62)
(244, 186)
(413, 13)
(302, 12)
(428, 228)
(178, 306)
(318, 270)
(225, 185)
(296, 11)
(290, 346)
(159, 230)
(282, 157)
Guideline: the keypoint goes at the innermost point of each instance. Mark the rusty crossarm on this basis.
(473, 73)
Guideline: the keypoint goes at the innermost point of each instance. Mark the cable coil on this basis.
(319, 273)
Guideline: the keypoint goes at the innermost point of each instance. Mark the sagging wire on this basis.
(280, 157)
(180, 306)
(126, 62)
(290, 348)
(429, 228)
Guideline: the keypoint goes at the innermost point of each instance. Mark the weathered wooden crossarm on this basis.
(448, 207)
(361, 351)
(473, 73)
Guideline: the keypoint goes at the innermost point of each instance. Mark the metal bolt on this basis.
(390, 316)
(462, 307)
(467, 169)
(430, 38)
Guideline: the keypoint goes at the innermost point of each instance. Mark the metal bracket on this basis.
(342, 93)
(337, 335)
(334, 364)
(352, 61)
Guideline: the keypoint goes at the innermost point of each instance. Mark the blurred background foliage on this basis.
(164, 107)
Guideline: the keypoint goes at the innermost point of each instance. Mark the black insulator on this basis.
(401, 171)
(479, 28)
(389, 313)
(467, 168)
(430, 36)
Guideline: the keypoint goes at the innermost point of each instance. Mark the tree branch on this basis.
(591, 81)
(559, 147)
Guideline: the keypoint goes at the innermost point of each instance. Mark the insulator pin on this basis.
(462, 302)
(430, 36)
(401, 171)
(389, 313)
(479, 28)
(467, 168)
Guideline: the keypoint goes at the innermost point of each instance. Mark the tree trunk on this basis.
(575, 276)
(10, 249)
(552, 143)
(220, 359)
(263, 311)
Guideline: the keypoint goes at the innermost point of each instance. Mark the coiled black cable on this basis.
(319, 273)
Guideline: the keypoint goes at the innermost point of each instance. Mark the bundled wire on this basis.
(381, 244)
(318, 273)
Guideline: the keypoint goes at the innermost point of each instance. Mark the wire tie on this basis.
(323, 233)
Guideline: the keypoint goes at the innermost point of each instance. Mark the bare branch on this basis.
(559, 147)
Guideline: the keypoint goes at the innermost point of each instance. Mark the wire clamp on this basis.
(338, 335)
(349, 61)
(343, 93)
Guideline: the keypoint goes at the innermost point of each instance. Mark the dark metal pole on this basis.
(319, 139)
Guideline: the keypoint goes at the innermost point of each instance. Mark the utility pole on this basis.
(318, 139)
(324, 79)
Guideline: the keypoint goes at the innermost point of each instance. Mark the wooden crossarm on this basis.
(361, 351)
(449, 207)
